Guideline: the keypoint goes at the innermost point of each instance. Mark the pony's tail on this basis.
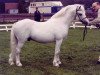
(13, 40)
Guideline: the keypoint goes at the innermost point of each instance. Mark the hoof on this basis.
(19, 64)
(98, 62)
(11, 62)
(59, 62)
(55, 64)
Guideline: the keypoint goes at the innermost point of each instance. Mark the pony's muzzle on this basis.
(85, 21)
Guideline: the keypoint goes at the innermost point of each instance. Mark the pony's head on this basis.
(71, 11)
(80, 13)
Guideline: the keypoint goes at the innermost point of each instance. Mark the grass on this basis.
(78, 57)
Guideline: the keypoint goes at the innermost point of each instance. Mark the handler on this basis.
(96, 21)
(37, 15)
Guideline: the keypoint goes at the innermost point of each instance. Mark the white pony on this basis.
(53, 30)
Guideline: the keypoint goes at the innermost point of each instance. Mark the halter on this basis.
(77, 14)
(82, 20)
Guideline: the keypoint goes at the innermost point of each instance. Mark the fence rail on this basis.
(80, 25)
(7, 27)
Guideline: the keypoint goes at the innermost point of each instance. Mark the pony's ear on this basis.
(78, 8)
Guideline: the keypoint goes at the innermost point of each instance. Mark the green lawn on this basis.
(78, 57)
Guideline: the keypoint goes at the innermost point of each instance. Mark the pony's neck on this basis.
(68, 18)
(65, 15)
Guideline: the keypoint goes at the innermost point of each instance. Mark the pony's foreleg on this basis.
(56, 60)
(18, 50)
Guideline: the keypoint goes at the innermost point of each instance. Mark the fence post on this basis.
(6, 28)
(73, 23)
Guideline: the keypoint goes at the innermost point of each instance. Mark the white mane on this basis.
(64, 9)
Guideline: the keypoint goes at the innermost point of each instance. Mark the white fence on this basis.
(80, 25)
(7, 27)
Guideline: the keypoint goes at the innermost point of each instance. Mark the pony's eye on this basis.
(80, 14)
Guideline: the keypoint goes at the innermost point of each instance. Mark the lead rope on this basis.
(85, 28)
(84, 32)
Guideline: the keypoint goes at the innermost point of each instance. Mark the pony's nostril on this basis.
(84, 22)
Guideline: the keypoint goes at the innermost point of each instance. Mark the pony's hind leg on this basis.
(11, 58)
(18, 50)
(13, 43)
(12, 54)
